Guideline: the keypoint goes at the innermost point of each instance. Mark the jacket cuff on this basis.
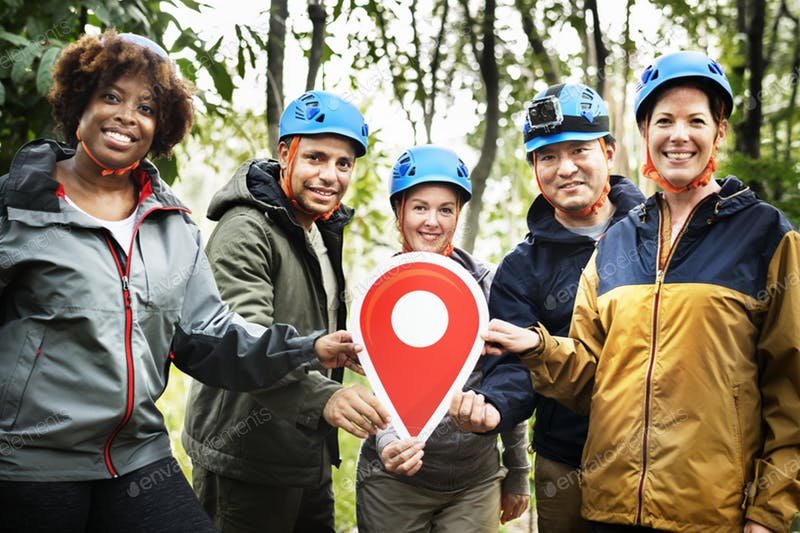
(516, 482)
(772, 495)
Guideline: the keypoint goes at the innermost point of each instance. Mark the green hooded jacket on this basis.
(268, 273)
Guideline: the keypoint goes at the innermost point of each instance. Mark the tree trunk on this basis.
(600, 50)
(316, 12)
(748, 139)
(491, 83)
(795, 74)
(276, 43)
(540, 55)
(429, 105)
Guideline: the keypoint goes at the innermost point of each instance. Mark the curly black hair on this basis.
(98, 60)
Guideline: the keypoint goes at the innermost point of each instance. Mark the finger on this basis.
(411, 465)
(381, 415)
(465, 410)
(455, 405)
(476, 415)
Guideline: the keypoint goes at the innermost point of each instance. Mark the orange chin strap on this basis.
(588, 211)
(400, 217)
(286, 185)
(649, 170)
(106, 170)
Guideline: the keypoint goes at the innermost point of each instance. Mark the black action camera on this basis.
(545, 113)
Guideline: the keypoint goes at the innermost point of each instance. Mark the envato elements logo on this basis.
(254, 419)
(158, 476)
(16, 442)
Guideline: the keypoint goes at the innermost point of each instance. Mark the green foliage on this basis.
(775, 181)
(32, 36)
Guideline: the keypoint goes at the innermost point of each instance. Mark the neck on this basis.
(304, 219)
(84, 173)
(569, 220)
(681, 203)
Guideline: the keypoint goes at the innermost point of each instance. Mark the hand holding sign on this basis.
(418, 318)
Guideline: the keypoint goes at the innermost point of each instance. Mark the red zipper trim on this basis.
(126, 298)
(660, 274)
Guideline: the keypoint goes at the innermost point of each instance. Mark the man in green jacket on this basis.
(262, 461)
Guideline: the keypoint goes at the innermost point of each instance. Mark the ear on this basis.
(611, 152)
(722, 130)
(283, 154)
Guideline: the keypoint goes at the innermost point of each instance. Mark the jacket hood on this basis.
(542, 223)
(255, 184)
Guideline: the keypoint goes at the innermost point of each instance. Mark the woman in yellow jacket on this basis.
(685, 340)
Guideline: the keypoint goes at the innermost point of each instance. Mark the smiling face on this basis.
(321, 173)
(683, 134)
(430, 215)
(119, 122)
(573, 174)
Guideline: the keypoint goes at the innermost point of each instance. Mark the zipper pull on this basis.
(659, 276)
(125, 283)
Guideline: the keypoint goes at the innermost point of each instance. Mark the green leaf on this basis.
(13, 38)
(2, 94)
(23, 62)
(222, 80)
(167, 168)
(44, 76)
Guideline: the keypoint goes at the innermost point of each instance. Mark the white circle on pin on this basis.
(419, 318)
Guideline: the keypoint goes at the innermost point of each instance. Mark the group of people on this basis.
(656, 339)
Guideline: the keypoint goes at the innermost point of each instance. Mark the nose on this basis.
(679, 132)
(125, 113)
(566, 167)
(432, 218)
(327, 172)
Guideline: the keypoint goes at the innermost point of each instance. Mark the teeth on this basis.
(119, 136)
(322, 193)
(679, 156)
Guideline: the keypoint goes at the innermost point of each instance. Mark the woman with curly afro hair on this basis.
(103, 285)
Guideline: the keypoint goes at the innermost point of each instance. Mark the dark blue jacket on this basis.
(537, 282)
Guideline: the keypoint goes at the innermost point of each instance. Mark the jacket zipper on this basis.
(660, 273)
(126, 299)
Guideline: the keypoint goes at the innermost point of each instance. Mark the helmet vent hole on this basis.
(320, 117)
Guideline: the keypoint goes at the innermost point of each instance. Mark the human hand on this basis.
(356, 410)
(755, 527)
(512, 506)
(503, 336)
(338, 349)
(403, 456)
(470, 412)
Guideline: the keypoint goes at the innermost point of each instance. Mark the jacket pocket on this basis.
(738, 444)
(19, 378)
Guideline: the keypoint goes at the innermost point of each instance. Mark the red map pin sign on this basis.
(418, 317)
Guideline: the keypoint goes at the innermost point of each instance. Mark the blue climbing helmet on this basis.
(564, 112)
(318, 112)
(428, 164)
(682, 66)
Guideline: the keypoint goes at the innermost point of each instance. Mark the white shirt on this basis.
(121, 230)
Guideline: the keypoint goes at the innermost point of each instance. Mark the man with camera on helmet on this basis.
(570, 149)
(262, 461)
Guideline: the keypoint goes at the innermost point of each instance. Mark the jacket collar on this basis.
(542, 223)
(732, 197)
(32, 187)
(255, 184)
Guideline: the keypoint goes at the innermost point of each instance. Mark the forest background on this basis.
(451, 72)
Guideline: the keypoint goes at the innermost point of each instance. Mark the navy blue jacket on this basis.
(537, 282)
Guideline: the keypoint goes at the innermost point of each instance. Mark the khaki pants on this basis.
(384, 504)
(240, 507)
(558, 497)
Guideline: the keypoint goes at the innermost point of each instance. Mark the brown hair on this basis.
(98, 60)
(716, 102)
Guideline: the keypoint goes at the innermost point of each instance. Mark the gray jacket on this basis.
(89, 331)
(453, 458)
